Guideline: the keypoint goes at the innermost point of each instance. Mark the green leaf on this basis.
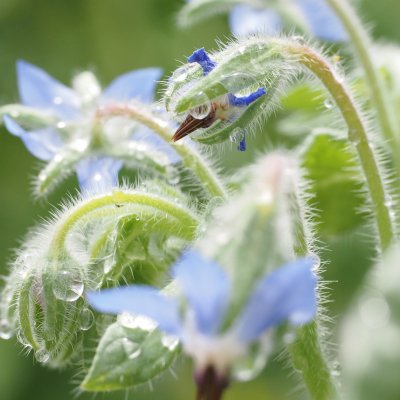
(129, 355)
(336, 184)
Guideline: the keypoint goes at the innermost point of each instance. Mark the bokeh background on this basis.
(111, 37)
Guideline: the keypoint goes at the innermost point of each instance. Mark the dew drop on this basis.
(80, 144)
(68, 286)
(87, 319)
(201, 99)
(6, 331)
(389, 201)
(42, 356)
(328, 104)
(170, 342)
(58, 158)
(289, 338)
(57, 100)
(181, 76)
(201, 111)
(182, 73)
(42, 177)
(21, 338)
(136, 322)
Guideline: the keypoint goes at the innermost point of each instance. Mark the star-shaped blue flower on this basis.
(286, 294)
(76, 110)
(245, 19)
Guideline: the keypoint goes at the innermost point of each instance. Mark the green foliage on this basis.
(335, 183)
(131, 352)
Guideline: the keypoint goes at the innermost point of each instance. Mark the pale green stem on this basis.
(307, 351)
(190, 157)
(188, 221)
(357, 134)
(362, 44)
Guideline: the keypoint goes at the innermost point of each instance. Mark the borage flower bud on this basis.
(286, 294)
(215, 115)
(121, 235)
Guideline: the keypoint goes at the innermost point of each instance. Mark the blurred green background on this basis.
(111, 37)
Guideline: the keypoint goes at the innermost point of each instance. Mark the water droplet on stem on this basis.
(68, 286)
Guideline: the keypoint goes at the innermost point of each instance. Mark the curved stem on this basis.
(362, 44)
(190, 157)
(357, 134)
(117, 199)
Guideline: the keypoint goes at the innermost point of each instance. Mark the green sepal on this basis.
(29, 118)
(127, 357)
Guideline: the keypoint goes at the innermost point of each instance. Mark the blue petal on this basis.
(139, 84)
(246, 100)
(288, 293)
(42, 143)
(246, 20)
(148, 136)
(38, 89)
(206, 286)
(201, 57)
(322, 21)
(141, 300)
(98, 174)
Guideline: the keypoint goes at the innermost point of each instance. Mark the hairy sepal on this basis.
(131, 352)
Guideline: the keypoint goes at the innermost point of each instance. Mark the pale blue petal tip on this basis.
(206, 286)
(38, 89)
(322, 21)
(42, 143)
(98, 174)
(288, 293)
(245, 20)
(139, 84)
(139, 300)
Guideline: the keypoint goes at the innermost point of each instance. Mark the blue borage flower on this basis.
(221, 108)
(286, 294)
(76, 109)
(314, 14)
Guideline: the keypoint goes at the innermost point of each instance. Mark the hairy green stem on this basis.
(188, 221)
(307, 351)
(190, 157)
(362, 43)
(357, 134)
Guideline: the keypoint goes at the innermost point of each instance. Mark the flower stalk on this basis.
(190, 157)
(362, 43)
(357, 134)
